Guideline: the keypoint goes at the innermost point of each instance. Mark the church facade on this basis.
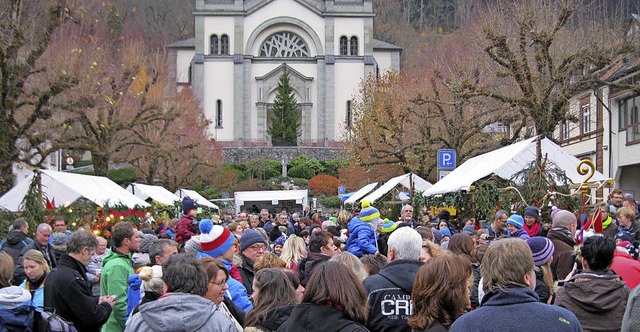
(241, 47)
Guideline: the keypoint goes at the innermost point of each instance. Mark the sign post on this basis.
(447, 162)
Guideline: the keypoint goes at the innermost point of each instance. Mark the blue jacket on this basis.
(521, 234)
(362, 238)
(519, 310)
(38, 296)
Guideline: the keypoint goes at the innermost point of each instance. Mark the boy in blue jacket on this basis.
(362, 229)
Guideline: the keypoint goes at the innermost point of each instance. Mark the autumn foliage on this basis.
(324, 184)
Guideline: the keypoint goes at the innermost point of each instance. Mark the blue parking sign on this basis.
(446, 159)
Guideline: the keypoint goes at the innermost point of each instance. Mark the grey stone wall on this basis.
(241, 155)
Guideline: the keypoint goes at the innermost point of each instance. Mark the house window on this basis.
(224, 44)
(629, 113)
(349, 117)
(564, 130)
(353, 46)
(218, 113)
(213, 44)
(586, 118)
(344, 46)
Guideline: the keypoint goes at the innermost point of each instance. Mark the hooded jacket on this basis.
(15, 242)
(521, 234)
(319, 318)
(598, 299)
(516, 309)
(46, 250)
(563, 255)
(626, 267)
(362, 238)
(236, 290)
(307, 264)
(16, 314)
(390, 295)
(273, 320)
(116, 269)
(180, 312)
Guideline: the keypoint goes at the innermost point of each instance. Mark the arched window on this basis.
(213, 44)
(344, 46)
(224, 44)
(349, 117)
(353, 46)
(284, 45)
(218, 113)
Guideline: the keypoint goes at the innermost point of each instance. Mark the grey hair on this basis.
(500, 214)
(43, 227)
(157, 248)
(19, 223)
(564, 218)
(184, 273)
(79, 240)
(406, 242)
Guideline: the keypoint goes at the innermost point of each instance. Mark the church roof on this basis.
(377, 44)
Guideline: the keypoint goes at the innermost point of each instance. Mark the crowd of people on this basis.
(356, 271)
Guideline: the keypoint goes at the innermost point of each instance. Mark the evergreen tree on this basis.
(285, 119)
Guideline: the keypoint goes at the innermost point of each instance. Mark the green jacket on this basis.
(116, 269)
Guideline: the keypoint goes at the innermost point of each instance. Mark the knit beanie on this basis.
(369, 214)
(146, 240)
(389, 226)
(623, 236)
(541, 249)
(469, 230)
(193, 245)
(215, 240)
(188, 204)
(250, 237)
(516, 220)
(532, 211)
(437, 236)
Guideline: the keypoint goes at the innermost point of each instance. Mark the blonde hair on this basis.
(269, 260)
(506, 262)
(36, 256)
(627, 212)
(151, 277)
(352, 262)
(292, 250)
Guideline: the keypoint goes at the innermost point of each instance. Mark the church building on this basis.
(241, 47)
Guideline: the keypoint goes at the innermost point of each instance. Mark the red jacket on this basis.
(627, 268)
(183, 233)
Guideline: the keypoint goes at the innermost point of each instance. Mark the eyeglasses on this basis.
(258, 247)
(219, 283)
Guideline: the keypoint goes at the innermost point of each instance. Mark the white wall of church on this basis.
(283, 8)
(183, 61)
(383, 58)
(219, 86)
(348, 77)
(219, 25)
(349, 27)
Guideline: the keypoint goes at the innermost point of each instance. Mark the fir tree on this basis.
(285, 119)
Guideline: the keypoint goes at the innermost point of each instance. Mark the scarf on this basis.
(563, 231)
(607, 222)
(534, 230)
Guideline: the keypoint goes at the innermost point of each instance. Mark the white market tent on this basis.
(156, 193)
(507, 161)
(274, 197)
(419, 185)
(360, 193)
(181, 193)
(66, 188)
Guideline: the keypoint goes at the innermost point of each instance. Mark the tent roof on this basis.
(66, 188)
(270, 195)
(507, 161)
(360, 193)
(157, 193)
(196, 197)
(419, 185)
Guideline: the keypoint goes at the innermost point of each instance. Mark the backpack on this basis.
(49, 321)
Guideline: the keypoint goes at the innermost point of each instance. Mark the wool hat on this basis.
(215, 240)
(369, 214)
(445, 232)
(193, 245)
(532, 211)
(623, 236)
(541, 249)
(469, 230)
(389, 226)
(188, 204)
(516, 220)
(444, 215)
(250, 237)
(146, 240)
(437, 236)
(281, 240)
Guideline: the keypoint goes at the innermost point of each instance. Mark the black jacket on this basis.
(435, 327)
(247, 273)
(390, 295)
(68, 290)
(319, 318)
(15, 242)
(274, 318)
(307, 264)
(47, 252)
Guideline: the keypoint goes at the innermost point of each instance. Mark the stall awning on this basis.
(507, 161)
(300, 196)
(361, 193)
(156, 193)
(181, 193)
(66, 188)
(419, 185)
